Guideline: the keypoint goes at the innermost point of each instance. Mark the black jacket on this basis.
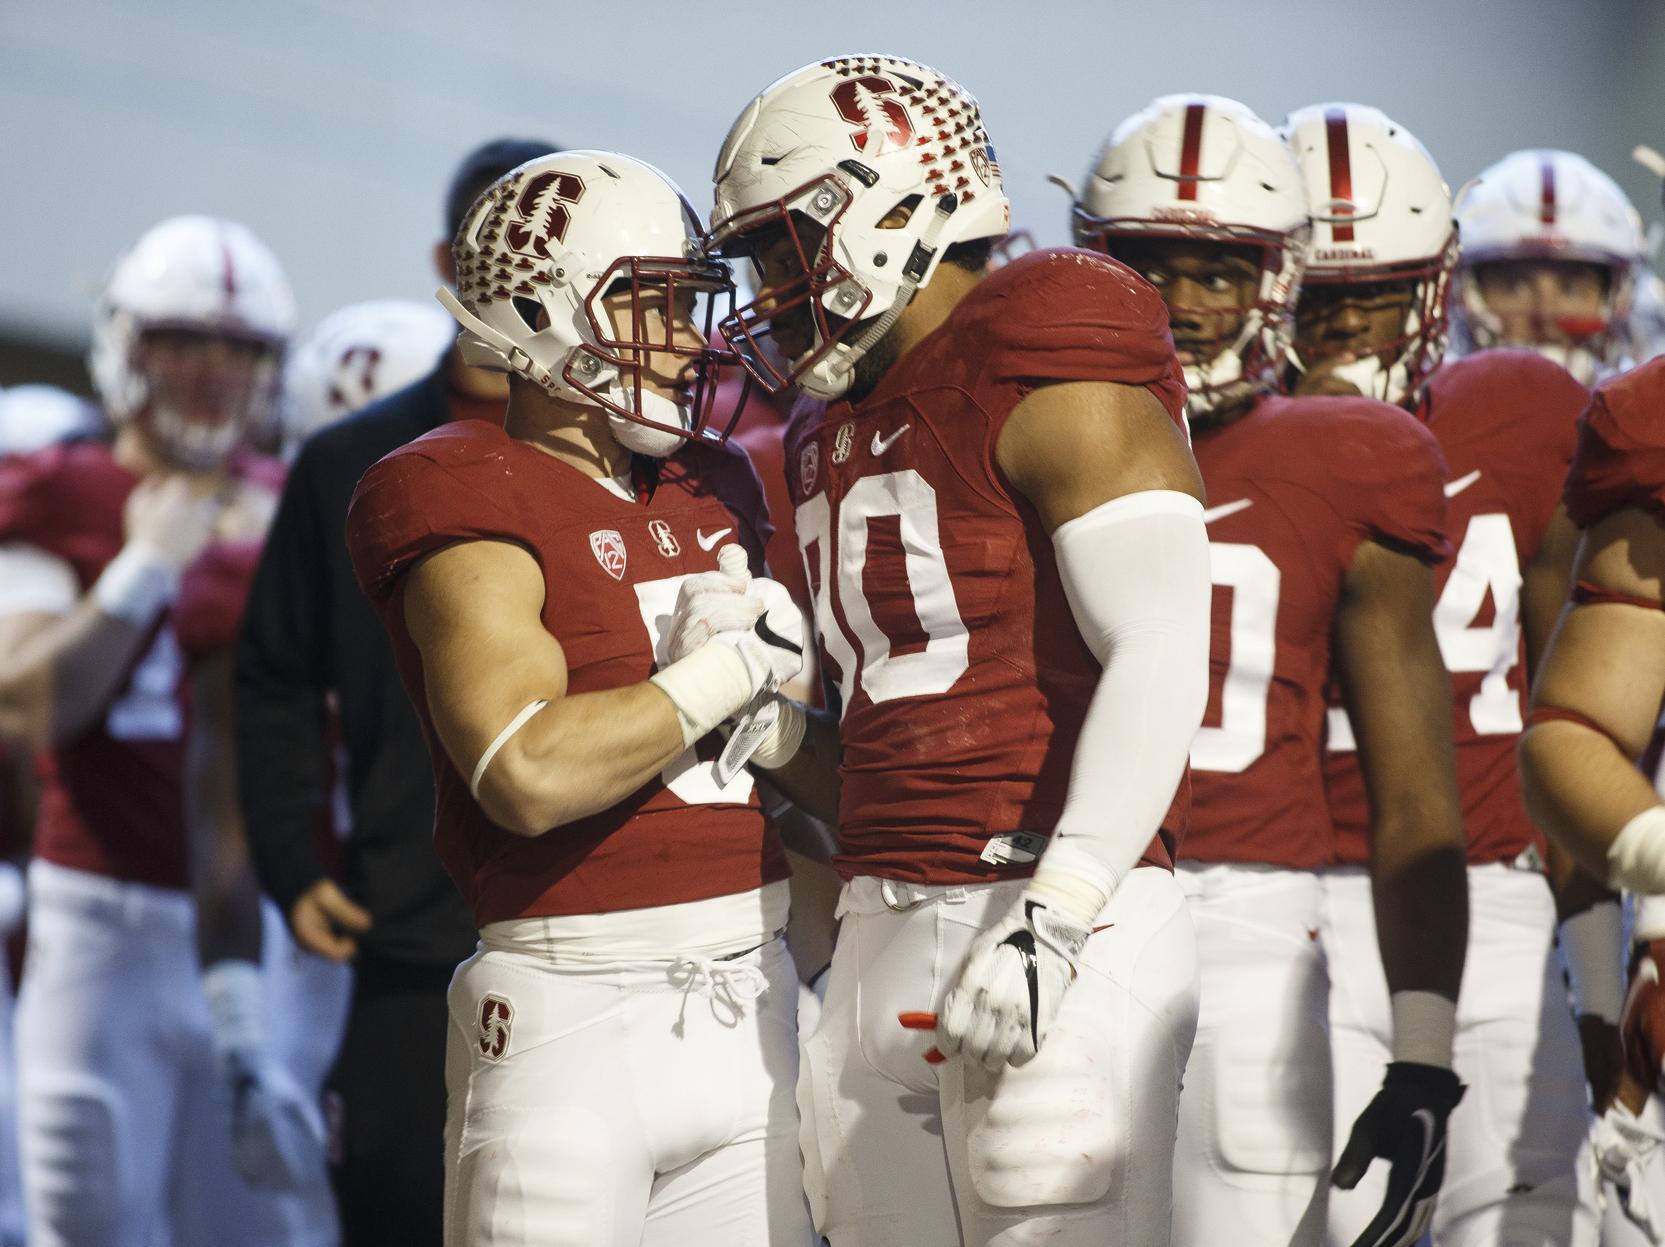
(309, 632)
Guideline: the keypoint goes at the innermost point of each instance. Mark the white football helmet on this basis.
(204, 276)
(1381, 212)
(827, 153)
(1550, 205)
(1647, 317)
(354, 356)
(535, 256)
(1200, 167)
(33, 417)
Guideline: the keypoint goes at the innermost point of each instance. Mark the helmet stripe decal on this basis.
(1546, 201)
(1190, 150)
(1341, 172)
(228, 269)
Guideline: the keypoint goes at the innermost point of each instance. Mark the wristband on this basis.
(136, 586)
(1636, 858)
(1592, 945)
(784, 739)
(236, 1007)
(1072, 880)
(1424, 1028)
(707, 686)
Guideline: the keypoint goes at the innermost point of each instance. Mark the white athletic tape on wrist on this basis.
(1424, 1028)
(1650, 917)
(1073, 880)
(515, 724)
(236, 1006)
(706, 687)
(1636, 858)
(1592, 944)
(136, 586)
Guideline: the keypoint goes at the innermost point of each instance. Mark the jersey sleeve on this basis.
(1390, 475)
(422, 498)
(1072, 315)
(212, 594)
(1620, 459)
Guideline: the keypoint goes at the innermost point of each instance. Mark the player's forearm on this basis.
(1580, 789)
(224, 887)
(57, 682)
(810, 778)
(1421, 902)
(579, 755)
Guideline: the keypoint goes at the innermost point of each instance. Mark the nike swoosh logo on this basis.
(706, 542)
(1227, 508)
(1453, 488)
(774, 638)
(882, 444)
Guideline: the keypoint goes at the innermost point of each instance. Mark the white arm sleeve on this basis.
(1136, 573)
(31, 580)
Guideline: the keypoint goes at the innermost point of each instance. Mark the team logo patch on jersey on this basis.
(608, 547)
(809, 467)
(496, 1015)
(663, 538)
(841, 443)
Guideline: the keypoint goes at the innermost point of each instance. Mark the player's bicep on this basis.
(474, 611)
(1397, 690)
(1073, 446)
(1607, 663)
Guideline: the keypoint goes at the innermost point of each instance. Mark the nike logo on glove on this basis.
(882, 444)
(1453, 488)
(774, 638)
(706, 542)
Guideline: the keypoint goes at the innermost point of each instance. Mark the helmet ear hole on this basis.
(899, 216)
(528, 310)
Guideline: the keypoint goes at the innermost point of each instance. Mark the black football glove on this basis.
(1405, 1126)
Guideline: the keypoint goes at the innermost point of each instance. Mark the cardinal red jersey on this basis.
(611, 571)
(111, 799)
(1621, 447)
(1506, 421)
(962, 678)
(1293, 487)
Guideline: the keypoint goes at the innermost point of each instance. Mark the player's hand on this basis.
(1603, 1058)
(1642, 1024)
(1321, 379)
(322, 916)
(172, 516)
(1012, 984)
(711, 602)
(1628, 1154)
(773, 646)
(1405, 1126)
(277, 1133)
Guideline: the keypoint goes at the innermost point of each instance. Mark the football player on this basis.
(1001, 523)
(622, 1045)
(1372, 320)
(1595, 708)
(1326, 518)
(123, 565)
(1550, 250)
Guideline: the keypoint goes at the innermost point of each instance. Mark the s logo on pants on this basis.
(495, 1016)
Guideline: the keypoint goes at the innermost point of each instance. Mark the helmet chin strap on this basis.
(831, 377)
(512, 357)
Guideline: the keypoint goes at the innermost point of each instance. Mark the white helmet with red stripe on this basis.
(1201, 167)
(1543, 204)
(356, 355)
(1381, 212)
(203, 276)
(827, 154)
(33, 417)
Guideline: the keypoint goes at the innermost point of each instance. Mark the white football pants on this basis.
(1517, 1169)
(622, 1103)
(1072, 1150)
(1252, 1164)
(123, 1125)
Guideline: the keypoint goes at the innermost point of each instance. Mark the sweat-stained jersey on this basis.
(1294, 486)
(1621, 448)
(943, 624)
(111, 799)
(611, 572)
(1506, 422)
